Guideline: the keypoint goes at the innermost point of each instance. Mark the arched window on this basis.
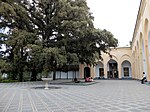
(126, 69)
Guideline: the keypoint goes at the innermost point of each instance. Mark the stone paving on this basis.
(103, 96)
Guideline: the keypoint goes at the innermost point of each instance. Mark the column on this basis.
(119, 70)
(81, 70)
(105, 70)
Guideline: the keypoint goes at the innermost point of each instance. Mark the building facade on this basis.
(127, 62)
(141, 42)
(117, 66)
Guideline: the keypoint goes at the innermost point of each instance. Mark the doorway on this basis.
(101, 72)
(87, 72)
(112, 69)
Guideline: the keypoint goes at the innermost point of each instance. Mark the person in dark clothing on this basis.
(143, 78)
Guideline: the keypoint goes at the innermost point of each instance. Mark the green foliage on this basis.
(5, 66)
(46, 74)
(47, 35)
(54, 57)
(130, 43)
(72, 59)
(0, 76)
(8, 81)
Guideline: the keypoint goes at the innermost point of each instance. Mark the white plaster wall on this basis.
(71, 74)
(58, 75)
(144, 59)
(97, 71)
(99, 65)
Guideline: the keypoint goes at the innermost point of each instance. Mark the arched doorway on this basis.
(99, 70)
(112, 71)
(126, 69)
(87, 72)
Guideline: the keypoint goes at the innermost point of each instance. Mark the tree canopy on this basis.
(43, 35)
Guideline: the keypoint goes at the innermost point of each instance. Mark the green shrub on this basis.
(8, 81)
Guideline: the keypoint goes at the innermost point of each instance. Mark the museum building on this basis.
(125, 62)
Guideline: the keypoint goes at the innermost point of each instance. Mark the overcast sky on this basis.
(116, 16)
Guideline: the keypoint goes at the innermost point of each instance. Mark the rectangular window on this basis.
(126, 71)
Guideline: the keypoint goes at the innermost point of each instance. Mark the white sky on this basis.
(116, 16)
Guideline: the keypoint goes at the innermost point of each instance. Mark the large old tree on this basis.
(43, 35)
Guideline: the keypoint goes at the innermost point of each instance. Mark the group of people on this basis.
(88, 79)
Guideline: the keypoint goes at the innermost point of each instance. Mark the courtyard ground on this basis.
(102, 96)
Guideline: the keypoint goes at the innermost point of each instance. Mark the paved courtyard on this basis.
(104, 96)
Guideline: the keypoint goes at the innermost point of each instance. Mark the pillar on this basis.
(81, 70)
(105, 70)
(119, 71)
